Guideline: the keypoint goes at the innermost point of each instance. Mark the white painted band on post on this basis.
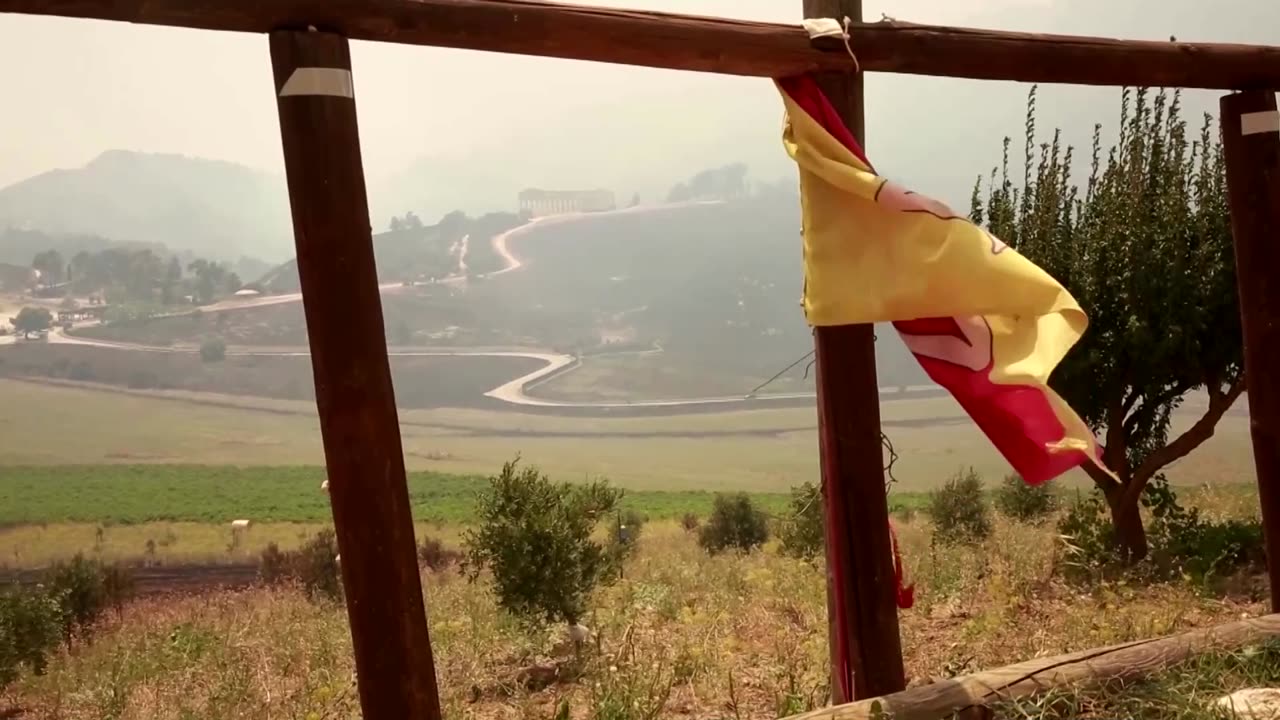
(334, 82)
(1256, 123)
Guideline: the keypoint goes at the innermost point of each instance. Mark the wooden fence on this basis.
(359, 425)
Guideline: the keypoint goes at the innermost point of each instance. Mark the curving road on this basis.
(514, 391)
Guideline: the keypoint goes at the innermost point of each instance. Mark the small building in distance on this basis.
(556, 202)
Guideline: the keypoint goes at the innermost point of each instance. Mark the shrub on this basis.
(314, 566)
(1027, 503)
(535, 537)
(1182, 542)
(213, 350)
(84, 589)
(689, 522)
(959, 509)
(803, 532)
(433, 555)
(30, 627)
(735, 524)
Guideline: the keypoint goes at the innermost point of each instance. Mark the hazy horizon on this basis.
(449, 128)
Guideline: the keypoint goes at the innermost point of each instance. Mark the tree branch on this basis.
(1114, 455)
(1146, 413)
(1189, 440)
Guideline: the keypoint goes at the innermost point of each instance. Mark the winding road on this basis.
(514, 391)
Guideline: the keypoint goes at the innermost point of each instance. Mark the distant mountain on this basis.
(212, 209)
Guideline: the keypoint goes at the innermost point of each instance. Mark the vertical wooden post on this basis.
(866, 649)
(358, 422)
(1251, 144)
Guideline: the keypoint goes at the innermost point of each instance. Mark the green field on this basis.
(220, 493)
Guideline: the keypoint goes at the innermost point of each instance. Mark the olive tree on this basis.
(1146, 249)
(536, 539)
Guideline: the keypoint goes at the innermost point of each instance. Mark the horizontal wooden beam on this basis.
(686, 42)
(1118, 662)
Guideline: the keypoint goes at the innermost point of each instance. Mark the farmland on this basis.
(131, 494)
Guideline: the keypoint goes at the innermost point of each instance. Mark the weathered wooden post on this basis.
(866, 648)
(358, 422)
(1251, 144)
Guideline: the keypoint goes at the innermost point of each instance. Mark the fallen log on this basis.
(1126, 661)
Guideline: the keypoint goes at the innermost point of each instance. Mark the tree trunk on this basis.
(1130, 535)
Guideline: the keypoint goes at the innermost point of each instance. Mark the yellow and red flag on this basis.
(983, 321)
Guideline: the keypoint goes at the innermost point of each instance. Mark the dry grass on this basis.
(732, 636)
(165, 543)
(59, 425)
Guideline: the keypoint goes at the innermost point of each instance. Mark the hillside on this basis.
(213, 209)
(420, 252)
(714, 286)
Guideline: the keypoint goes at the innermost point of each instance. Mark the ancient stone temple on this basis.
(557, 202)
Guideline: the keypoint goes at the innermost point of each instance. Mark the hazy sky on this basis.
(75, 88)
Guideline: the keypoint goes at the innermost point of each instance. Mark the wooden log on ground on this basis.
(1126, 661)
(686, 42)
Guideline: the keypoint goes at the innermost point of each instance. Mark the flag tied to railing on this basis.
(983, 321)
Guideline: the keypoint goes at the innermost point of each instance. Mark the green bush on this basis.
(84, 589)
(1017, 500)
(735, 524)
(213, 350)
(1182, 542)
(314, 566)
(959, 509)
(803, 532)
(30, 628)
(535, 537)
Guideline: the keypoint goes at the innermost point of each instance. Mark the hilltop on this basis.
(210, 208)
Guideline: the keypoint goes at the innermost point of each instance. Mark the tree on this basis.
(51, 266)
(31, 319)
(396, 224)
(535, 536)
(412, 221)
(1147, 252)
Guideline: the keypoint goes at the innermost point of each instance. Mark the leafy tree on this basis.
(1147, 252)
(412, 221)
(396, 224)
(803, 533)
(51, 266)
(31, 319)
(735, 524)
(535, 537)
